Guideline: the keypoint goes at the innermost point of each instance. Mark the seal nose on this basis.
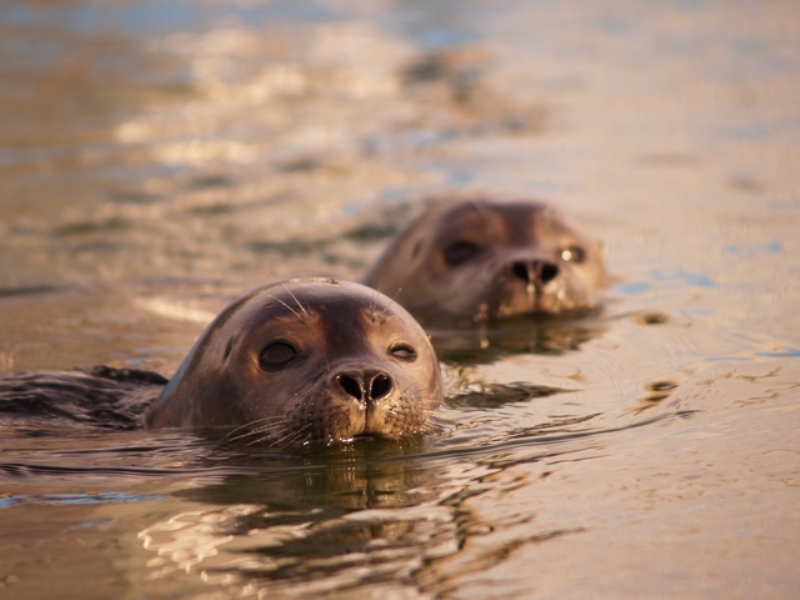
(365, 386)
(537, 271)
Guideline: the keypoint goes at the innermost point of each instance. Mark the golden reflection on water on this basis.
(153, 166)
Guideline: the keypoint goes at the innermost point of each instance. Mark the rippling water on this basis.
(159, 158)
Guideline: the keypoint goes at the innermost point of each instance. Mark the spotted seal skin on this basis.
(303, 361)
(479, 259)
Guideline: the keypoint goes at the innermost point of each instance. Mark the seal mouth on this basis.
(371, 437)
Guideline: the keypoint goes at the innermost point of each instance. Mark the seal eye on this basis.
(277, 355)
(403, 352)
(573, 254)
(460, 252)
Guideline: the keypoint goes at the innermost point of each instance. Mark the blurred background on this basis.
(207, 147)
(158, 158)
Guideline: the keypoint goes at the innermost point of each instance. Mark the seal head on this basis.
(304, 361)
(483, 259)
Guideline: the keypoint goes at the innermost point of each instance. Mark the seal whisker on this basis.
(297, 314)
(241, 427)
(373, 303)
(302, 308)
(269, 432)
(254, 427)
(388, 306)
(266, 427)
(291, 436)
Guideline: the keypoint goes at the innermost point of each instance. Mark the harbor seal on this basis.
(480, 259)
(306, 360)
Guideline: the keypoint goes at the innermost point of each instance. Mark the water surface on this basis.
(159, 158)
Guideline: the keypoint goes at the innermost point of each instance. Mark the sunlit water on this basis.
(159, 158)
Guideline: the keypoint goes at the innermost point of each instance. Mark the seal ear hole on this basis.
(460, 252)
(573, 254)
(277, 355)
(404, 352)
(228, 348)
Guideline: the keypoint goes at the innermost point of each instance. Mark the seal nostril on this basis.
(381, 385)
(350, 385)
(547, 271)
(369, 386)
(534, 271)
(521, 269)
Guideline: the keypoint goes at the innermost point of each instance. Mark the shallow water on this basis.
(159, 158)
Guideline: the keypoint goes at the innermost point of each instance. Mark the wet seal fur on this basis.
(300, 361)
(480, 259)
(94, 397)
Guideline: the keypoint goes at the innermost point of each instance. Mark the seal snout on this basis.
(368, 386)
(537, 271)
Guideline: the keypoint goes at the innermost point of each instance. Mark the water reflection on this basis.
(478, 345)
(373, 514)
(355, 517)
